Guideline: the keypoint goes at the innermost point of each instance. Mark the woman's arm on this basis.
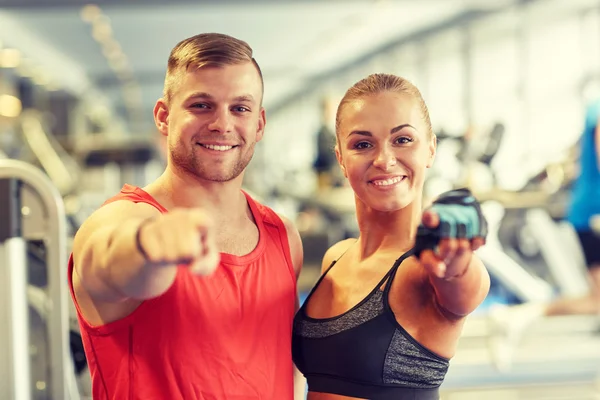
(459, 278)
(461, 294)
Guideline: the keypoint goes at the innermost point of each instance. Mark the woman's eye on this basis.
(362, 145)
(404, 140)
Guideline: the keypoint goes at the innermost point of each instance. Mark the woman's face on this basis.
(384, 149)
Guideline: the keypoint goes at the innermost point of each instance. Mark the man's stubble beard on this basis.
(193, 164)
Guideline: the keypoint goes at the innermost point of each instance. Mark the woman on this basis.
(382, 322)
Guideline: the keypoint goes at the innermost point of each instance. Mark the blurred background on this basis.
(507, 83)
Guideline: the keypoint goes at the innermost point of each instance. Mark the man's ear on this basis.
(161, 116)
(338, 155)
(262, 122)
(432, 150)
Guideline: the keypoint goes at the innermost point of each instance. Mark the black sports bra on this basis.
(364, 352)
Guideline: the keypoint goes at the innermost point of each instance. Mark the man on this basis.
(186, 289)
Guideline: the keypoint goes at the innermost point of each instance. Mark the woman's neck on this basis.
(388, 231)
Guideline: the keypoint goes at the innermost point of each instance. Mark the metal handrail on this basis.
(61, 368)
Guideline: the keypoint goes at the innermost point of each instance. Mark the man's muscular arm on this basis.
(129, 252)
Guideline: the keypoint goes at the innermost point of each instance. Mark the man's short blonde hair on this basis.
(205, 50)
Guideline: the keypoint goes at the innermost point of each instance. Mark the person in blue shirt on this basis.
(583, 214)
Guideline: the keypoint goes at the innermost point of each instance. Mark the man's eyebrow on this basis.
(244, 97)
(207, 96)
(199, 95)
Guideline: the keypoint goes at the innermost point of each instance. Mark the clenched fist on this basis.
(451, 230)
(183, 237)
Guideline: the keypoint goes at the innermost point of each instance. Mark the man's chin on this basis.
(217, 176)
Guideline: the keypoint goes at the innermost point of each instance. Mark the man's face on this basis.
(213, 121)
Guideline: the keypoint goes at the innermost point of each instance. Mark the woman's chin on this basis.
(390, 205)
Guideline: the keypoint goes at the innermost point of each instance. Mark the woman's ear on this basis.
(432, 150)
(338, 155)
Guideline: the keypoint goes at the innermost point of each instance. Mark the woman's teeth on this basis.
(388, 182)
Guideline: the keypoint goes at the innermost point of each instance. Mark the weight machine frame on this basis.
(21, 183)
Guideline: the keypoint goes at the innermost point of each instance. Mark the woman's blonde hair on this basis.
(378, 83)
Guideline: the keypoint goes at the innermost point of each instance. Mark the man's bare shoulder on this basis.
(111, 215)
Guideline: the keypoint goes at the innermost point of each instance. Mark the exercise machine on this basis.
(35, 329)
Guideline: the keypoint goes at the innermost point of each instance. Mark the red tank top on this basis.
(225, 336)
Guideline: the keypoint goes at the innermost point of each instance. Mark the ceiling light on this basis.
(101, 31)
(10, 106)
(90, 12)
(111, 49)
(41, 77)
(10, 58)
(52, 86)
(118, 63)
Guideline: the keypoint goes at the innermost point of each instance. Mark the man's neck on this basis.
(174, 189)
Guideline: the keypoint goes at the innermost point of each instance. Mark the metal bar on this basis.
(10, 209)
(467, 60)
(523, 285)
(15, 255)
(61, 366)
(570, 277)
(16, 368)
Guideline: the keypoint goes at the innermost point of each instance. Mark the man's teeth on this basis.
(218, 148)
(388, 182)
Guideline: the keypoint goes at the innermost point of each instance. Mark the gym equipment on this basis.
(462, 161)
(529, 251)
(60, 167)
(535, 235)
(525, 287)
(533, 254)
(557, 358)
(107, 163)
(33, 210)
